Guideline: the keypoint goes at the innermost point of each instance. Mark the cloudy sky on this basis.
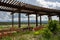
(55, 4)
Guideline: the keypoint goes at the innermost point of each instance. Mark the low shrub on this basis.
(52, 26)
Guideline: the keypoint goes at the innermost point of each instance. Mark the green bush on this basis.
(47, 34)
(6, 38)
(52, 26)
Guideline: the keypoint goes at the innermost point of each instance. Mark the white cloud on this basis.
(55, 18)
(48, 4)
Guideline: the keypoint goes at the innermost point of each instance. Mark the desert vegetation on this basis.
(50, 32)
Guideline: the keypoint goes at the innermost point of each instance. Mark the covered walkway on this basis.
(15, 6)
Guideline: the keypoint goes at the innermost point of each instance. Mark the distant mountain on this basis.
(26, 21)
(34, 21)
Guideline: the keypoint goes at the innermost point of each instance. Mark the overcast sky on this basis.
(55, 4)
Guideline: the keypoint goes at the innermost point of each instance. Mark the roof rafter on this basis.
(16, 6)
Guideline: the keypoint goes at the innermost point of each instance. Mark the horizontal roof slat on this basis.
(8, 5)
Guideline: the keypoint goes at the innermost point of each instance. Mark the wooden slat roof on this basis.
(16, 6)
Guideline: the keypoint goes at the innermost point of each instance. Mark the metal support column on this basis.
(19, 20)
(12, 19)
(28, 21)
(36, 19)
(40, 20)
(49, 17)
(59, 19)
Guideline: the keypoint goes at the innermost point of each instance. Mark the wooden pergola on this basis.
(15, 6)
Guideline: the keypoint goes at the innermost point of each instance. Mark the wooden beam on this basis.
(14, 3)
(6, 10)
(8, 5)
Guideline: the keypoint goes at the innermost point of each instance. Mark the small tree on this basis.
(52, 26)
